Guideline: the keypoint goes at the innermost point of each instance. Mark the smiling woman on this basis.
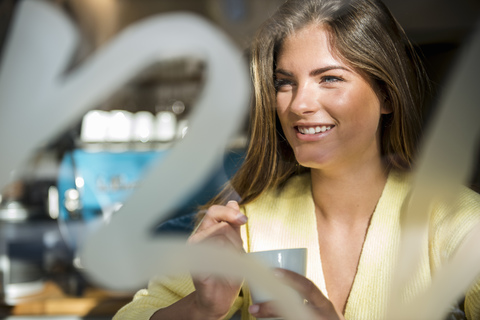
(316, 91)
(339, 91)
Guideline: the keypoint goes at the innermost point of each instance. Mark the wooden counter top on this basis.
(52, 301)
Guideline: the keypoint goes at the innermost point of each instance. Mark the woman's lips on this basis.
(312, 130)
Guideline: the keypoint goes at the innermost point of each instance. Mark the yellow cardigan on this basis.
(286, 219)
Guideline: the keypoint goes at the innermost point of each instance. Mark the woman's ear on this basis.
(386, 107)
(380, 89)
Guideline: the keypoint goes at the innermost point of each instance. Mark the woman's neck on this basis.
(349, 195)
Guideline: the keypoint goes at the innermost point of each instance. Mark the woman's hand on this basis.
(215, 295)
(320, 306)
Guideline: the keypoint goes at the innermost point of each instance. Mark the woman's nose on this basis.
(304, 101)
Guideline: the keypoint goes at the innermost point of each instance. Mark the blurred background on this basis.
(88, 171)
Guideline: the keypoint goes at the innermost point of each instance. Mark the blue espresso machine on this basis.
(94, 184)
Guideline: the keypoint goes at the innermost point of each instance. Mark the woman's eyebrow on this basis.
(284, 72)
(314, 72)
(318, 71)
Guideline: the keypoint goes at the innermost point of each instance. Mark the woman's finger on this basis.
(216, 214)
(221, 233)
(309, 291)
(306, 288)
(264, 310)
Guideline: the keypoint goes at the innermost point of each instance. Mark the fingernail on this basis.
(232, 201)
(242, 218)
(254, 308)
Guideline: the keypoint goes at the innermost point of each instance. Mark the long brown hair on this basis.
(367, 37)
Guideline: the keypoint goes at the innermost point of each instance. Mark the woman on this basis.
(339, 93)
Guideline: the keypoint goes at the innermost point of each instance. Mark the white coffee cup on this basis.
(294, 259)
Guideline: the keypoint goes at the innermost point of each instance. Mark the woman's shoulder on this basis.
(465, 208)
(469, 196)
(462, 207)
(461, 199)
(453, 219)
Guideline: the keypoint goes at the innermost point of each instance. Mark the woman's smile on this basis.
(307, 130)
(311, 133)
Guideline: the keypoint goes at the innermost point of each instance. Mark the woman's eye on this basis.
(331, 79)
(281, 83)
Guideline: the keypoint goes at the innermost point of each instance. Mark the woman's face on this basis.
(328, 112)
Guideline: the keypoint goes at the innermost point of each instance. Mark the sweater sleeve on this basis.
(472, 297)
(452, 223)
(160, 293)
(164, 291)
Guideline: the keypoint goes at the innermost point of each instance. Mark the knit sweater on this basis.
(286, 219)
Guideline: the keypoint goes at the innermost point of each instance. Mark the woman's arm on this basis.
(213, 296)
(186, 308)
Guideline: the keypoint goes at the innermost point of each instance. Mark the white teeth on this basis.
(313, 130)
